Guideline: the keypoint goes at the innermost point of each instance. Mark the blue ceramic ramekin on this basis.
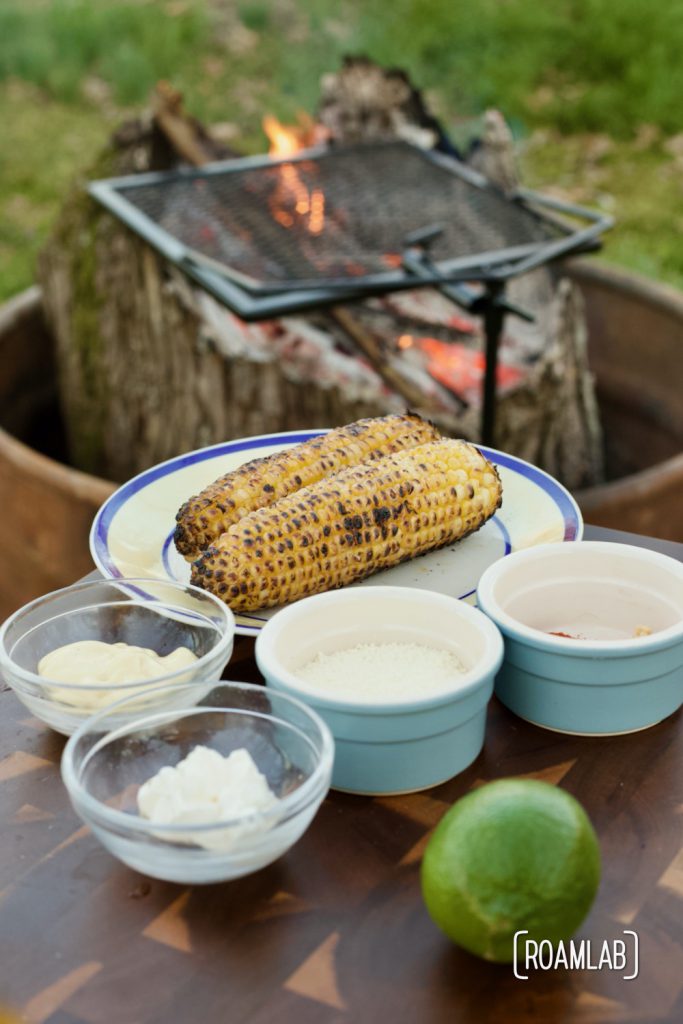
(411, 743)
(616, 677)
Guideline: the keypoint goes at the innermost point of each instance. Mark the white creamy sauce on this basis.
(205, 788)
(111, 666)
(382, 672)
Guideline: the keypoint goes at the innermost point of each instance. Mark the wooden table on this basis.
(335, 931)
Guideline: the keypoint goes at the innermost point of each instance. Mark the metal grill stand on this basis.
(220, 225)
(493, 313)
(490, 303)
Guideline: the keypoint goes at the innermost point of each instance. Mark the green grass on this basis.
(606, 64)
(44, 142)
(641, 187)
(561, 71)
(54, 45)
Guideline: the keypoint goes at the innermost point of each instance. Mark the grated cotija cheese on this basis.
(383, 672)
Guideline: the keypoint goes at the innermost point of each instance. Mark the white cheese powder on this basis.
(383, 672)
(206, 787)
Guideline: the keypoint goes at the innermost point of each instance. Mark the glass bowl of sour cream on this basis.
(78, 650)
(204, 794)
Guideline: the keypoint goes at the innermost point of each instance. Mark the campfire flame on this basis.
(295, 205)
(292, 203)
(285, 140)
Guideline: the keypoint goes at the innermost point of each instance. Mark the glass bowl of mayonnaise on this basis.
(205, 794)
(81, 649)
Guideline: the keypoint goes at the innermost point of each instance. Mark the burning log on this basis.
(493, 155)
(151, 365)
(364, 101)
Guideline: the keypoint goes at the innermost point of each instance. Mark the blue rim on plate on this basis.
(565, 505)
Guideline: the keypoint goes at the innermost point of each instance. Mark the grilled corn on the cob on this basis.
(346, 527)
(261, 482)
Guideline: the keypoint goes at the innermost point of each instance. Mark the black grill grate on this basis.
(334, 218)
(269, 238)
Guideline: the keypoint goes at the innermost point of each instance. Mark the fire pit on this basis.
(396, 265)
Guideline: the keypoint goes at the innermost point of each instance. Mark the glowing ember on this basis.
(354, 269)
(458, 368)
(317, 218)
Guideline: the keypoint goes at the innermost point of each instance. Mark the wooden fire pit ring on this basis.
(635, 331)
(47, 506)
(635, 335)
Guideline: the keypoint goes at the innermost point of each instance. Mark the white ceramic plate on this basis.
(132, 534)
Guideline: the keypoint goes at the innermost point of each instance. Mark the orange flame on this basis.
(285, 140)
(292, 202)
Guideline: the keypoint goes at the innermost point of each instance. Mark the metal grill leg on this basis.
(493, 314)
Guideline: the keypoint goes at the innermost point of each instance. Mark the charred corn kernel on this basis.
(345, 527)
(262, 482)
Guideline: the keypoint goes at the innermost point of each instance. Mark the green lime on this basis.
(513, 855)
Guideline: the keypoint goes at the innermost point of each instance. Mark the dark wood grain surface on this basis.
(335, 931)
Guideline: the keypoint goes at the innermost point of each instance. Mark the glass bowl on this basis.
(157, 615)
(103, 769)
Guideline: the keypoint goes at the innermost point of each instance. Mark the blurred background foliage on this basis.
(592, 89)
